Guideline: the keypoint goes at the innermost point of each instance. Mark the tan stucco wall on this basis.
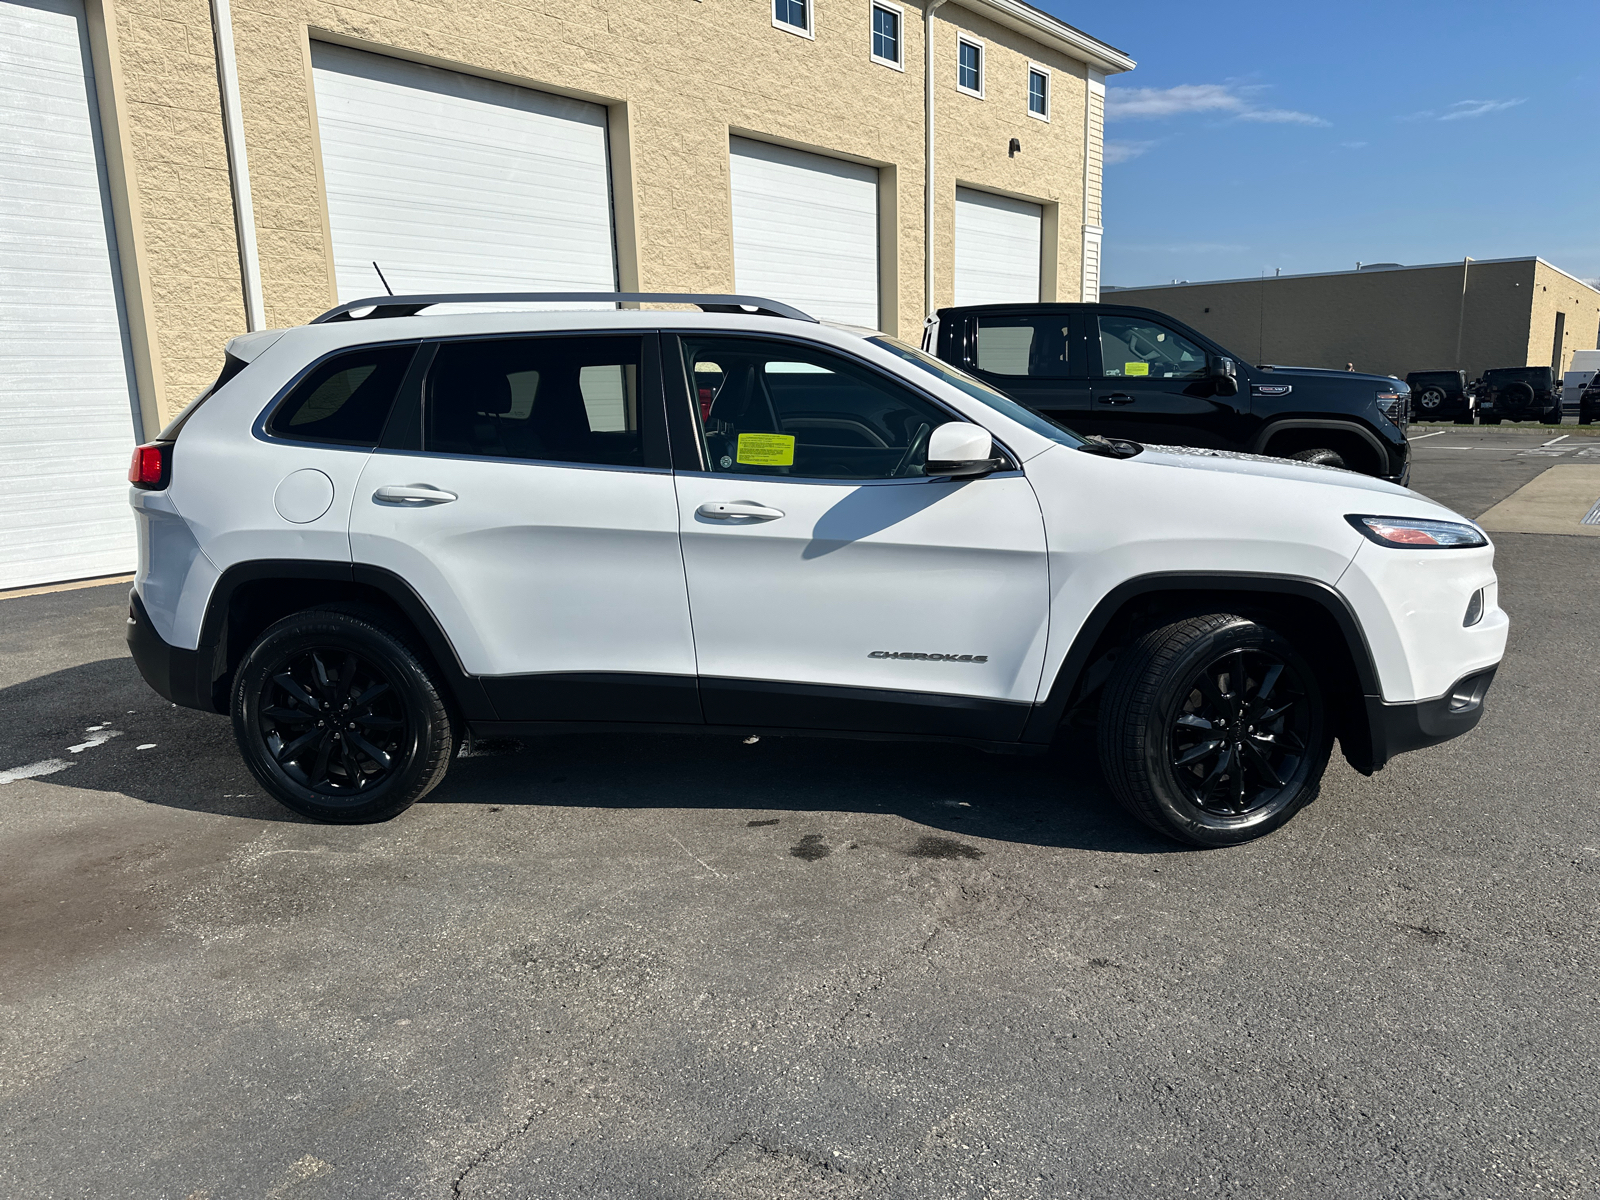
(1389, 322)
(1554, 292)
(678, 76)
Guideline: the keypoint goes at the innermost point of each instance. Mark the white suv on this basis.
(400, 527)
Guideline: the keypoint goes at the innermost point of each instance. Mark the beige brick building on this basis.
(1391, 319)
(175, 172)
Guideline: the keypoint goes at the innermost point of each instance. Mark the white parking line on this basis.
(1554, 440)
(33, 770)
(1420, 436)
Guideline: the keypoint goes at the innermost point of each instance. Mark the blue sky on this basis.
(1307, 137)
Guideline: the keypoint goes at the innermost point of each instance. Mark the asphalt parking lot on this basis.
(652, 967)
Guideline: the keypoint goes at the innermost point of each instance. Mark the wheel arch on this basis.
(1313, 614)
(1294, 431)
(250, 596)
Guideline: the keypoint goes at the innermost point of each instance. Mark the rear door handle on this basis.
(412, 494)
(1116, 398)
(724, 510)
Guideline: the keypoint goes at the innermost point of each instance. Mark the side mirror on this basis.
(1224, 376)
(959, 450)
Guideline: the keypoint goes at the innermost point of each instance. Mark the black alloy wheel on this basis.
(334, 723)
(1214, 730)
(338, 718)
(1240, 735)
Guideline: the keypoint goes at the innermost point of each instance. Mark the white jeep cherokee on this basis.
(385, 533)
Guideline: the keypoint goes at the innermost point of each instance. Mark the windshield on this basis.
(980, 391)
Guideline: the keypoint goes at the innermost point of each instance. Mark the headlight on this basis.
(1411, 533)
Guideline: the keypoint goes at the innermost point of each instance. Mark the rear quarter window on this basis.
(344, 399)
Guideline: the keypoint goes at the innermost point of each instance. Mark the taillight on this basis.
(150, 466)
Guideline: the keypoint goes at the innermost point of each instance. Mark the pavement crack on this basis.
(489, 1152)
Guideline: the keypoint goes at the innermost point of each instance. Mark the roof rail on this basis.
(410, 306)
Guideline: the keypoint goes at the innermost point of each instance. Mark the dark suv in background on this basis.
(1114, 371)
(1441, 395)
(1519, 394)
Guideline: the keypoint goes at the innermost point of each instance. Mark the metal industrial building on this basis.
(175, 172)
(1392, 319)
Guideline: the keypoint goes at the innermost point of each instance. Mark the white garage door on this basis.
(805, 231)
(453, 183)
(66, 409)
(998, 243)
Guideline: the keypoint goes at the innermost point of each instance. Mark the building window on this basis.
(1039, 93)
(793, 15)
(886, 25)
(969, 72)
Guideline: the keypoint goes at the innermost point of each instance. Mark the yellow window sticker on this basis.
(1138, 368)
(766, 450)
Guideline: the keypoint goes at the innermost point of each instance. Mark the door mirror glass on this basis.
(960, 450)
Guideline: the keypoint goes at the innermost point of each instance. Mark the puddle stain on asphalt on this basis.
(941, 847)
(811, 848)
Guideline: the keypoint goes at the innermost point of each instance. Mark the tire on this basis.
(1157, 708)
(1516, 399)
(1322, 458)
(365, 765)
(1431, 399)
(1584, 417)
(1553, 417)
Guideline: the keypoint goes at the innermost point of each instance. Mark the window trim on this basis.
(809, 30)
(1049, 87)
(966, 39)
(900, 39)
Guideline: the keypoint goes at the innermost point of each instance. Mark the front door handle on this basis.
(412, 494)
(1116, 398)
(724, 510)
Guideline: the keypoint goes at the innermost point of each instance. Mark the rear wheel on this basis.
(1429, 399)
(1214, 730)
(1553, 417)
(1321, 457)
(1585, 417)
(338, 718)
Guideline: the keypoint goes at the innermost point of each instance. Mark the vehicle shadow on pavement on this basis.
(178, 758)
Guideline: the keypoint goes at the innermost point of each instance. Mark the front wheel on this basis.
(1320, 457)
(1214, 730)
(338, 718)
(1553, 417)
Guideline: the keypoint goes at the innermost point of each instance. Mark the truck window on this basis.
(1035, 344)
(1133, 346)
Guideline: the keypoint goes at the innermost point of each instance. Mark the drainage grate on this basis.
(1593, 516)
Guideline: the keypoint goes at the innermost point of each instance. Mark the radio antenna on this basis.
(381, 279)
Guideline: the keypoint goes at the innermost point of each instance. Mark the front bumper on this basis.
(182, 676)
(1397, 728)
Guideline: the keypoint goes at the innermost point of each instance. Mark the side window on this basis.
(1132, 346)
(554, 399)
(778, 408)
(345, 400)
(1037, 344)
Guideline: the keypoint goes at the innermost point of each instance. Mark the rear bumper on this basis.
(1397, 728)
(181, 676)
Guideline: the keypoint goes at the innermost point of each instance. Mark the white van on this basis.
(1585, 365)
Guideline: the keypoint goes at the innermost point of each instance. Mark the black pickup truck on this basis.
(1122, 372)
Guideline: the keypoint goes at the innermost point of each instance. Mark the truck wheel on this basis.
(338, 719)
(1431, 398)
(1213, 730)
(1553, 417)
(1322, 458)
(1584, 416)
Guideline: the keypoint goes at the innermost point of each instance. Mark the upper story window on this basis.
(886, 26)
(1039, 93)
(969, 68)
(793, 15)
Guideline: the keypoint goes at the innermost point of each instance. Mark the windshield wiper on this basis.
(1110, 447)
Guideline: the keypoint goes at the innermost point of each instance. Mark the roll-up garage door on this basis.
(66, 398)
(454, 183)
(998, 243)
(805, 231)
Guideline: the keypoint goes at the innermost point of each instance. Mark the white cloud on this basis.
(1118, 152)
(1130, 104)
(1463, 109)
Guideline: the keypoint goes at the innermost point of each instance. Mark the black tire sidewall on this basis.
(427, 721)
